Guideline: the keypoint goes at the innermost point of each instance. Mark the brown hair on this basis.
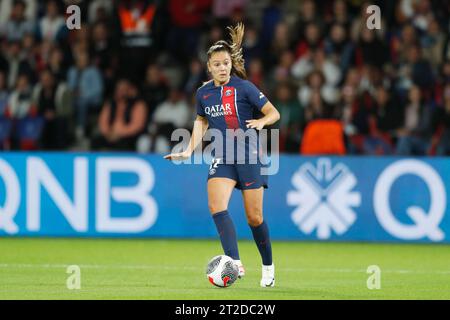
(234, 49)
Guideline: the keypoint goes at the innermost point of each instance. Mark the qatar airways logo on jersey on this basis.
(219, 110)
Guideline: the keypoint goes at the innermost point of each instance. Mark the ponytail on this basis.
(234, 49)
(237, 58)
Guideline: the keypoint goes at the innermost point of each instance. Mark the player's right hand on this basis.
(178, 156)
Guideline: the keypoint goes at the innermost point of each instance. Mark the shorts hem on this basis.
(265, 186)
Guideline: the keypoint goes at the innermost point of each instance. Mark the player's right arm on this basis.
(199, 130)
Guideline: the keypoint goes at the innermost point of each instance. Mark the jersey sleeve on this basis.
(255, 96)
(198, 104)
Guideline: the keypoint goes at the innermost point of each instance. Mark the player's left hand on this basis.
(255, 124)
(178, 156)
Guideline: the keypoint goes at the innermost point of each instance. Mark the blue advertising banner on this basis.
(310, 198)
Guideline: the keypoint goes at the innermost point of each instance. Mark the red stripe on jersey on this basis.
(228, 97)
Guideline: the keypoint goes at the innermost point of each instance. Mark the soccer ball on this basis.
(222, 271)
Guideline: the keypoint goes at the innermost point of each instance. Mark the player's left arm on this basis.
(260, 102)
(271, 115)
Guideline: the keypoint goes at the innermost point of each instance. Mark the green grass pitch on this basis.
(174, 269)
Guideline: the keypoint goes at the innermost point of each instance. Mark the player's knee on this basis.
(255, 220)
(215, 207)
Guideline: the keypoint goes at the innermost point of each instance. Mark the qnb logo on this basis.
(324, 198)
(425, 224)
(9, 208)
(39, 179)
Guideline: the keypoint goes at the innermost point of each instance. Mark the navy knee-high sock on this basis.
(262, 239)
(227, 233)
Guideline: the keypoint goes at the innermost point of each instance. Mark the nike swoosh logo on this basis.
(206, 96)
(248, 184)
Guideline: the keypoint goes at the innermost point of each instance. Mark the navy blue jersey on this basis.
(228, 107)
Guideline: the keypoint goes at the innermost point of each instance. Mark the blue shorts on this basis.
(247, 176)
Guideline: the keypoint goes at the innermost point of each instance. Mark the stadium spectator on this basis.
(311, 42)
(405, 10)
(86, 84)
(422, 15)
(20, 102)
(52, 100)
(27, 126)
(196, 75)
(103, 55)
(271, 21)
(281, 42)
(122, 119)
(3, 60)
(6, 8)
(80, 39)
(282, 71)
(251, 46)
(339, 47)
(17, 24)
(356, 113)
(370, 78)
(371, 50)
(401, 42)
(256, 73)
(4, 94)
(383, 121)
(415, 133)
(317, 60)
(433, 44)
(315, 82)
(187, 17)
(307, 14)
(317, 108)
(292, 117)
(441, 138)
(223, 9)
(171, 114)
(56, 64)
(237, 15)
(100, 11)
(154, 89)
(442, 79)
(52, 26)
(16, 64)
(416, 70)
(339, 16)
(136, 21)
(349, 106)
(214, 34)
(28, 51)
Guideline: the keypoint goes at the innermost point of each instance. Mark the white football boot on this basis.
(241, 268)
(268, 276)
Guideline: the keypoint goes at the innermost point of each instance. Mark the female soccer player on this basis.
(228, 102)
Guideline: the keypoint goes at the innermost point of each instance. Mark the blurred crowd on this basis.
(127, 78)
